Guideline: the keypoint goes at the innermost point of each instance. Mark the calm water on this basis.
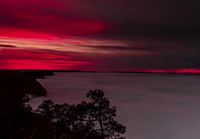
(152, 106)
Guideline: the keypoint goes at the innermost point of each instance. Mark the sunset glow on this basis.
(98, 36)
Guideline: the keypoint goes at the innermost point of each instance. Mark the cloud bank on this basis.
(117, 35)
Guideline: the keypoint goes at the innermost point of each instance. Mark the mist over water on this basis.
(151, 106)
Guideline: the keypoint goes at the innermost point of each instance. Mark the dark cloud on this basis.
(7, 46)
(122, 48)
(157, 19)
(142, 18)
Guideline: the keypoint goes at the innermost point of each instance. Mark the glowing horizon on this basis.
(97, 36)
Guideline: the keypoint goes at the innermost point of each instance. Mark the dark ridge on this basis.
(36, 74)
(14, 86)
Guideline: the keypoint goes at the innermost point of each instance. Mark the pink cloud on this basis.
(27, 59)
(22, 18)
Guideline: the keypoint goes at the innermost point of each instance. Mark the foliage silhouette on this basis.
(87, 120)
(92, 119)
(101, 112)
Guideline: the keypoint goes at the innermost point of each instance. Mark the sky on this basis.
(106, 35)
(151, 106)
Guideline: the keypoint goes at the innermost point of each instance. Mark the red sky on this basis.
(100, 36)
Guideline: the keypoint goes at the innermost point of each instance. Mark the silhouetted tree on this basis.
(104, 115)
(67, 121)
(93, 119)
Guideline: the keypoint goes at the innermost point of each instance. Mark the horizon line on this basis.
(189, 71)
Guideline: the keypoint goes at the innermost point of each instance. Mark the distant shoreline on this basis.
(51, 72)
